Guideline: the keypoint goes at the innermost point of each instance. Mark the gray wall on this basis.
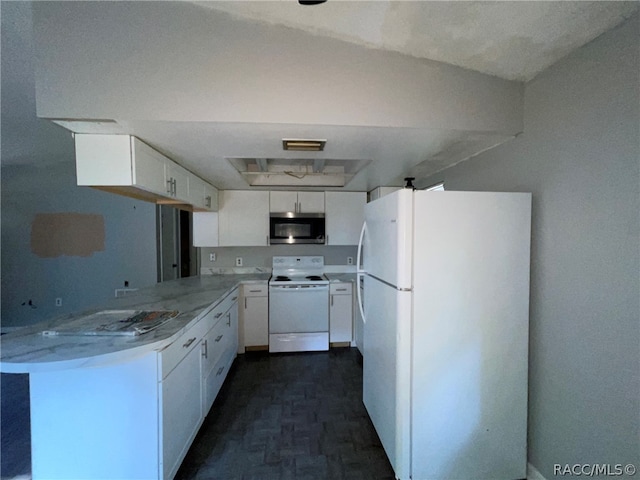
(579, 156)
(38, 176)
(262, 256)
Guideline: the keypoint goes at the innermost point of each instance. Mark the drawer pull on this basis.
(234, 298)
(228, 320)
(189, 342)
(219, 337)
(218, 315)
(341, 289)
(220, 370)
(255, 291)
(205, 349)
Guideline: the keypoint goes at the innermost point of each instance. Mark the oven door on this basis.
(296, 228)
(298, 308)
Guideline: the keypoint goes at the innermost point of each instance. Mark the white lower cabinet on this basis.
(181, 411)
(219, 347)
(340, 312)
(255, 317)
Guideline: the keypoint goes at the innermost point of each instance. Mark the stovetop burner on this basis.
(282, 278)
(313, 277)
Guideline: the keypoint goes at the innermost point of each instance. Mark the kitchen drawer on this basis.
(342, 288)
(213, 381)
(171, 356)
(255, 290)
(222, 307)
(216, 342)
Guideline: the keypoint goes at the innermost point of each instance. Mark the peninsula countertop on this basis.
(27, 351)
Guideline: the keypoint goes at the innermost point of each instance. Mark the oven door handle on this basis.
(290, 288)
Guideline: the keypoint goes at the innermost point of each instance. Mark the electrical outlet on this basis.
(238, 261)
(212, 257)
(349, 260)
(58, 302)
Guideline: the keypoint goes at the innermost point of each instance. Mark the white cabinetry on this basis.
(299, 202)
(340, 313)
(378, 192)
(205, 229)
(219, 348)
(244, 218)
(254, 318)
(344, 217)
(125, 165)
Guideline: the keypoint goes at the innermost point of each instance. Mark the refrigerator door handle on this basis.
(358, 258)
(360, 306)
(359, 254)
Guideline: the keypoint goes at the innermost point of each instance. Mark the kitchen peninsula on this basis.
(128, 406)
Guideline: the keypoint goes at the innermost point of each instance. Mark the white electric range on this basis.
(298, 304)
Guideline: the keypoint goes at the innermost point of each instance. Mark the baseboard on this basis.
(533, 473)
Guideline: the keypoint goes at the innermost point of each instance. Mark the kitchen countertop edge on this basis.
(26, 350)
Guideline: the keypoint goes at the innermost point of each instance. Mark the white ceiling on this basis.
(512, 40)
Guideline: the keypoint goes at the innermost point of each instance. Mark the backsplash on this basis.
(260, 257)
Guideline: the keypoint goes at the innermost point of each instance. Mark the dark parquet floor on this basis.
(289, 416)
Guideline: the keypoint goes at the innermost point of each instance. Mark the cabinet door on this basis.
(344, 217)
(149, 168)
(244, 218)
(210, 197)
(196, 191)
(256, 321)
(180, 178)
(283, 202)
(205, 229)
(181, 411)
(340, 318)
(311, 202)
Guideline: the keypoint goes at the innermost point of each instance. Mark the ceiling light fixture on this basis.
(300, 145)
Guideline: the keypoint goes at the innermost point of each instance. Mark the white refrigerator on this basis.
(446, 323)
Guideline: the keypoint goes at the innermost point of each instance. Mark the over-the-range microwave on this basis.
(291, 227)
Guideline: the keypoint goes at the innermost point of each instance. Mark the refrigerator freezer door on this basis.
(387, 369)
(387, 243)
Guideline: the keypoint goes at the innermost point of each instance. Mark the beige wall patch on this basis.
(73, 234)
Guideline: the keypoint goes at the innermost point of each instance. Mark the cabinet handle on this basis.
(170, 186)
(220, 370)
(234, 298)
(332, 300)
(300, 207)
(327, 242)
(245, 303)
(218, 315)
(267, 239)
(189, 342)
(229, 320)
(205, 350)
(341, 289)
(207, 201)
(255, 291)
(219, 337)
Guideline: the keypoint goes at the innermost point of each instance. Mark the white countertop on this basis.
(28, 351)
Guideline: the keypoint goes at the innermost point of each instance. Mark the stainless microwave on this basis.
(291, 227)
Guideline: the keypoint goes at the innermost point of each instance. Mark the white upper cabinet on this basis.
(125, 165)
(299, 202)
(344, 217)
(202, 196)
(243, 218)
